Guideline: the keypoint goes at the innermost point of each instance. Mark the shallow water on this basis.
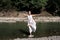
(20, 30)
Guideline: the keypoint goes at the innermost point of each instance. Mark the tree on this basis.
(53, 7)
(5, 4)
(37, 3)
(22, 4)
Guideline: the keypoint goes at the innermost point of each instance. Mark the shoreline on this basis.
(37, 19)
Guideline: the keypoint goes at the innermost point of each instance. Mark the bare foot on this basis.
(31, 36)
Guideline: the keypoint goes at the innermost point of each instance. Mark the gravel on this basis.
(42, 38)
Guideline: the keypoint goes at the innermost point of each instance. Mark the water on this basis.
(19, 29)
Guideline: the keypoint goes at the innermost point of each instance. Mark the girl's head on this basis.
(29, 13)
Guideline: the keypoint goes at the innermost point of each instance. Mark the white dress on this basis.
(32, 23)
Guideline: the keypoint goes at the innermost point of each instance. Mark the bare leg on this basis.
(30, 31)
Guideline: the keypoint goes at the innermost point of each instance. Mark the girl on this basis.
(31, 24)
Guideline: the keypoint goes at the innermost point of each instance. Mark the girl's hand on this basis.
(28, 25)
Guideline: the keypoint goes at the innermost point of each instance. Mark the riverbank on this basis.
(42, 38)
(37, 19)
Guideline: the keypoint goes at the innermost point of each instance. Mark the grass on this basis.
(19, 29)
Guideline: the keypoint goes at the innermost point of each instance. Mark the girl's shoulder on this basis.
(29, 15)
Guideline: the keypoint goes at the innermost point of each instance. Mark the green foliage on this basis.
(21, 4)
(5, 4)
(38, 3)
(53, 7)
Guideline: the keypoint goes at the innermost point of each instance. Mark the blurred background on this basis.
(13, 22)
